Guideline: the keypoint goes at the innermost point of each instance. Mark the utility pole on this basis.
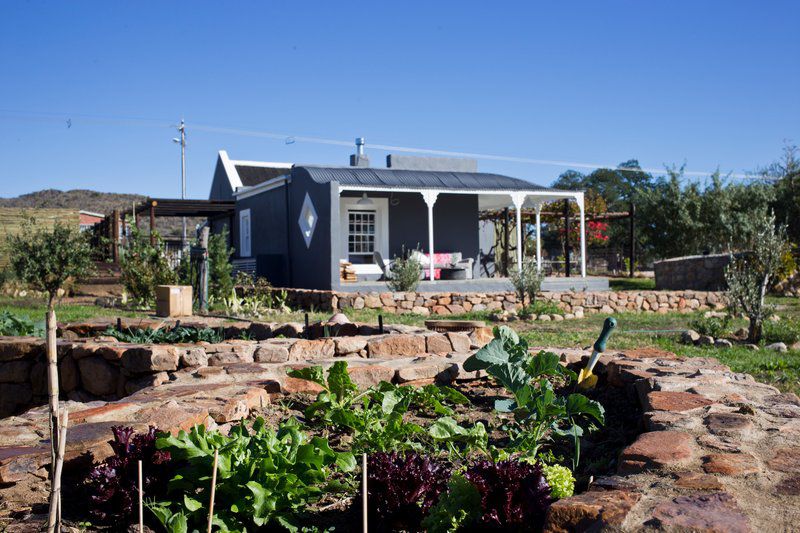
(182, 141)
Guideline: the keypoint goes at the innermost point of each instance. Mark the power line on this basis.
(291, 139)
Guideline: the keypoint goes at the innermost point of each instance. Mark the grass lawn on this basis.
(634, 330)
(632, 284)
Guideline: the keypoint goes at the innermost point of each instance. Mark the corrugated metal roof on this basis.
(417, 179)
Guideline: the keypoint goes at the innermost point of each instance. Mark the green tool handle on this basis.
(608, 326)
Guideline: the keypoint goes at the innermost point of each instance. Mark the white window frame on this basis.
(381, 208)
(245, 233)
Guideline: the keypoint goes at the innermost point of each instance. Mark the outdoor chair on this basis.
(385, 266)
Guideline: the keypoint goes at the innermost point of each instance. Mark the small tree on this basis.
(749, 274)
(45, 260)
(405, 273)
(220, 268)
(527, 281)
(143, 266)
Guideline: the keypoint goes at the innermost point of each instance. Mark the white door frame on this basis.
(245, 233)
(381, 208)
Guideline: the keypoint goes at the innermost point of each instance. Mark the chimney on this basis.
(359, 159)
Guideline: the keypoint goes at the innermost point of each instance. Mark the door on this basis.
(244, 233)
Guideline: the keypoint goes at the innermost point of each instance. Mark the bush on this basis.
(13, 325)
(711, 325)
(785, 331)
(405, 273)
(220, 280)
(527, 282)
(144, 266)
(540, 307)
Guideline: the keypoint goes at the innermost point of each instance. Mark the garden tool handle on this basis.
(600, 344)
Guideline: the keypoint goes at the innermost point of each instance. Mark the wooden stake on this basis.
(53, 521)
(141, 500)
(364, 490)
(213, 490)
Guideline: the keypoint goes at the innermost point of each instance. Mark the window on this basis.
(244, 233)
(361, 232)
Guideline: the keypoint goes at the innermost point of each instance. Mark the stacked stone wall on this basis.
(697, 272)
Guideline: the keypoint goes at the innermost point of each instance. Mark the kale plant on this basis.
(113, 484)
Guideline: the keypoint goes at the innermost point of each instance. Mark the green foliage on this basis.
(560, 479)
(527, 281)
(144, 266)
(785, 331)
(45, 259)
(537, 410)
(220, 279)
(541, 307)
(257, 297)
(264, 477)
(405, 273)
(176, 335)
(711, 325)
(456, 508)
(786, 202)
(750, 274)
(376, 416)
(16, 325)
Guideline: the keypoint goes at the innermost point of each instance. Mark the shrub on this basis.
(220, 280)
(785, 331)
(402, 488)
(712, 326)
(514, 494)
(144, 266)
(527, 282)
(540, 307)
(750, 274)
(405, 273)
(113, 484)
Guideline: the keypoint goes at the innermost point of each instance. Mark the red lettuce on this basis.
(402, 488)
(514, 495)
(113, 484)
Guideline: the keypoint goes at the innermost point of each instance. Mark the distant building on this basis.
(88, 219)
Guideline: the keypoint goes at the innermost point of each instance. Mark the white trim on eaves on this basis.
(266, 164)
(246, 192)
(230, 170)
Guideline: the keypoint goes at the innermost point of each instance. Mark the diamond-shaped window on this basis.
(308, 220)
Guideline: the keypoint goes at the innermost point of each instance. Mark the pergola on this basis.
(492, 199)
(162, 207)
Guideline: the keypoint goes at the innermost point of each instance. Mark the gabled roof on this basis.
(251, 175)
(417, 179)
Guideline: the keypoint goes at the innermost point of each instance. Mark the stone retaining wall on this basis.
(102, 368)
(696, 272)
(575, 303)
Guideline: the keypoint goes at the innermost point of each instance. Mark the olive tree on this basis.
(750, 273)
(527, 281)
(46, 259)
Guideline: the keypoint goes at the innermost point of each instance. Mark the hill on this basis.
(97, 202)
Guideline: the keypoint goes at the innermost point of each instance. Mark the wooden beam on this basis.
(632, 251)
(153, 223)
(566, 239)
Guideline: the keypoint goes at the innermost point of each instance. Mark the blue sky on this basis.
(711, 84)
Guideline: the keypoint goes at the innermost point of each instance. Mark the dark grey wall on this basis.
(310, 267)
(486, 232)
(268, 234)
(220, 186)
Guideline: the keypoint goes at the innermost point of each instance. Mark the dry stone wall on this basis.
(696, 272)
(574, 303)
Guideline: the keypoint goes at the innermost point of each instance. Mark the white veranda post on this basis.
(539, 237)
(518, 198)
(430, 199)
(579, 199)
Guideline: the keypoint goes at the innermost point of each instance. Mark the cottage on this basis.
(299, 225)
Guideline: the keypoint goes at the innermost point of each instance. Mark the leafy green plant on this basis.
(17, 325)
(143, 266)
(405, 273)
(177, 335)
(538, 412)
(540, 307)
(265, 477)
(711, 325)
(376, 416)
(457, 508)
(220, 279)
(786, 331)
(560, 479)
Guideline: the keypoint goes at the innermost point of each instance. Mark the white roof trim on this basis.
(91, 214)
(230, 170)
(247, 192)
(266, 164)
